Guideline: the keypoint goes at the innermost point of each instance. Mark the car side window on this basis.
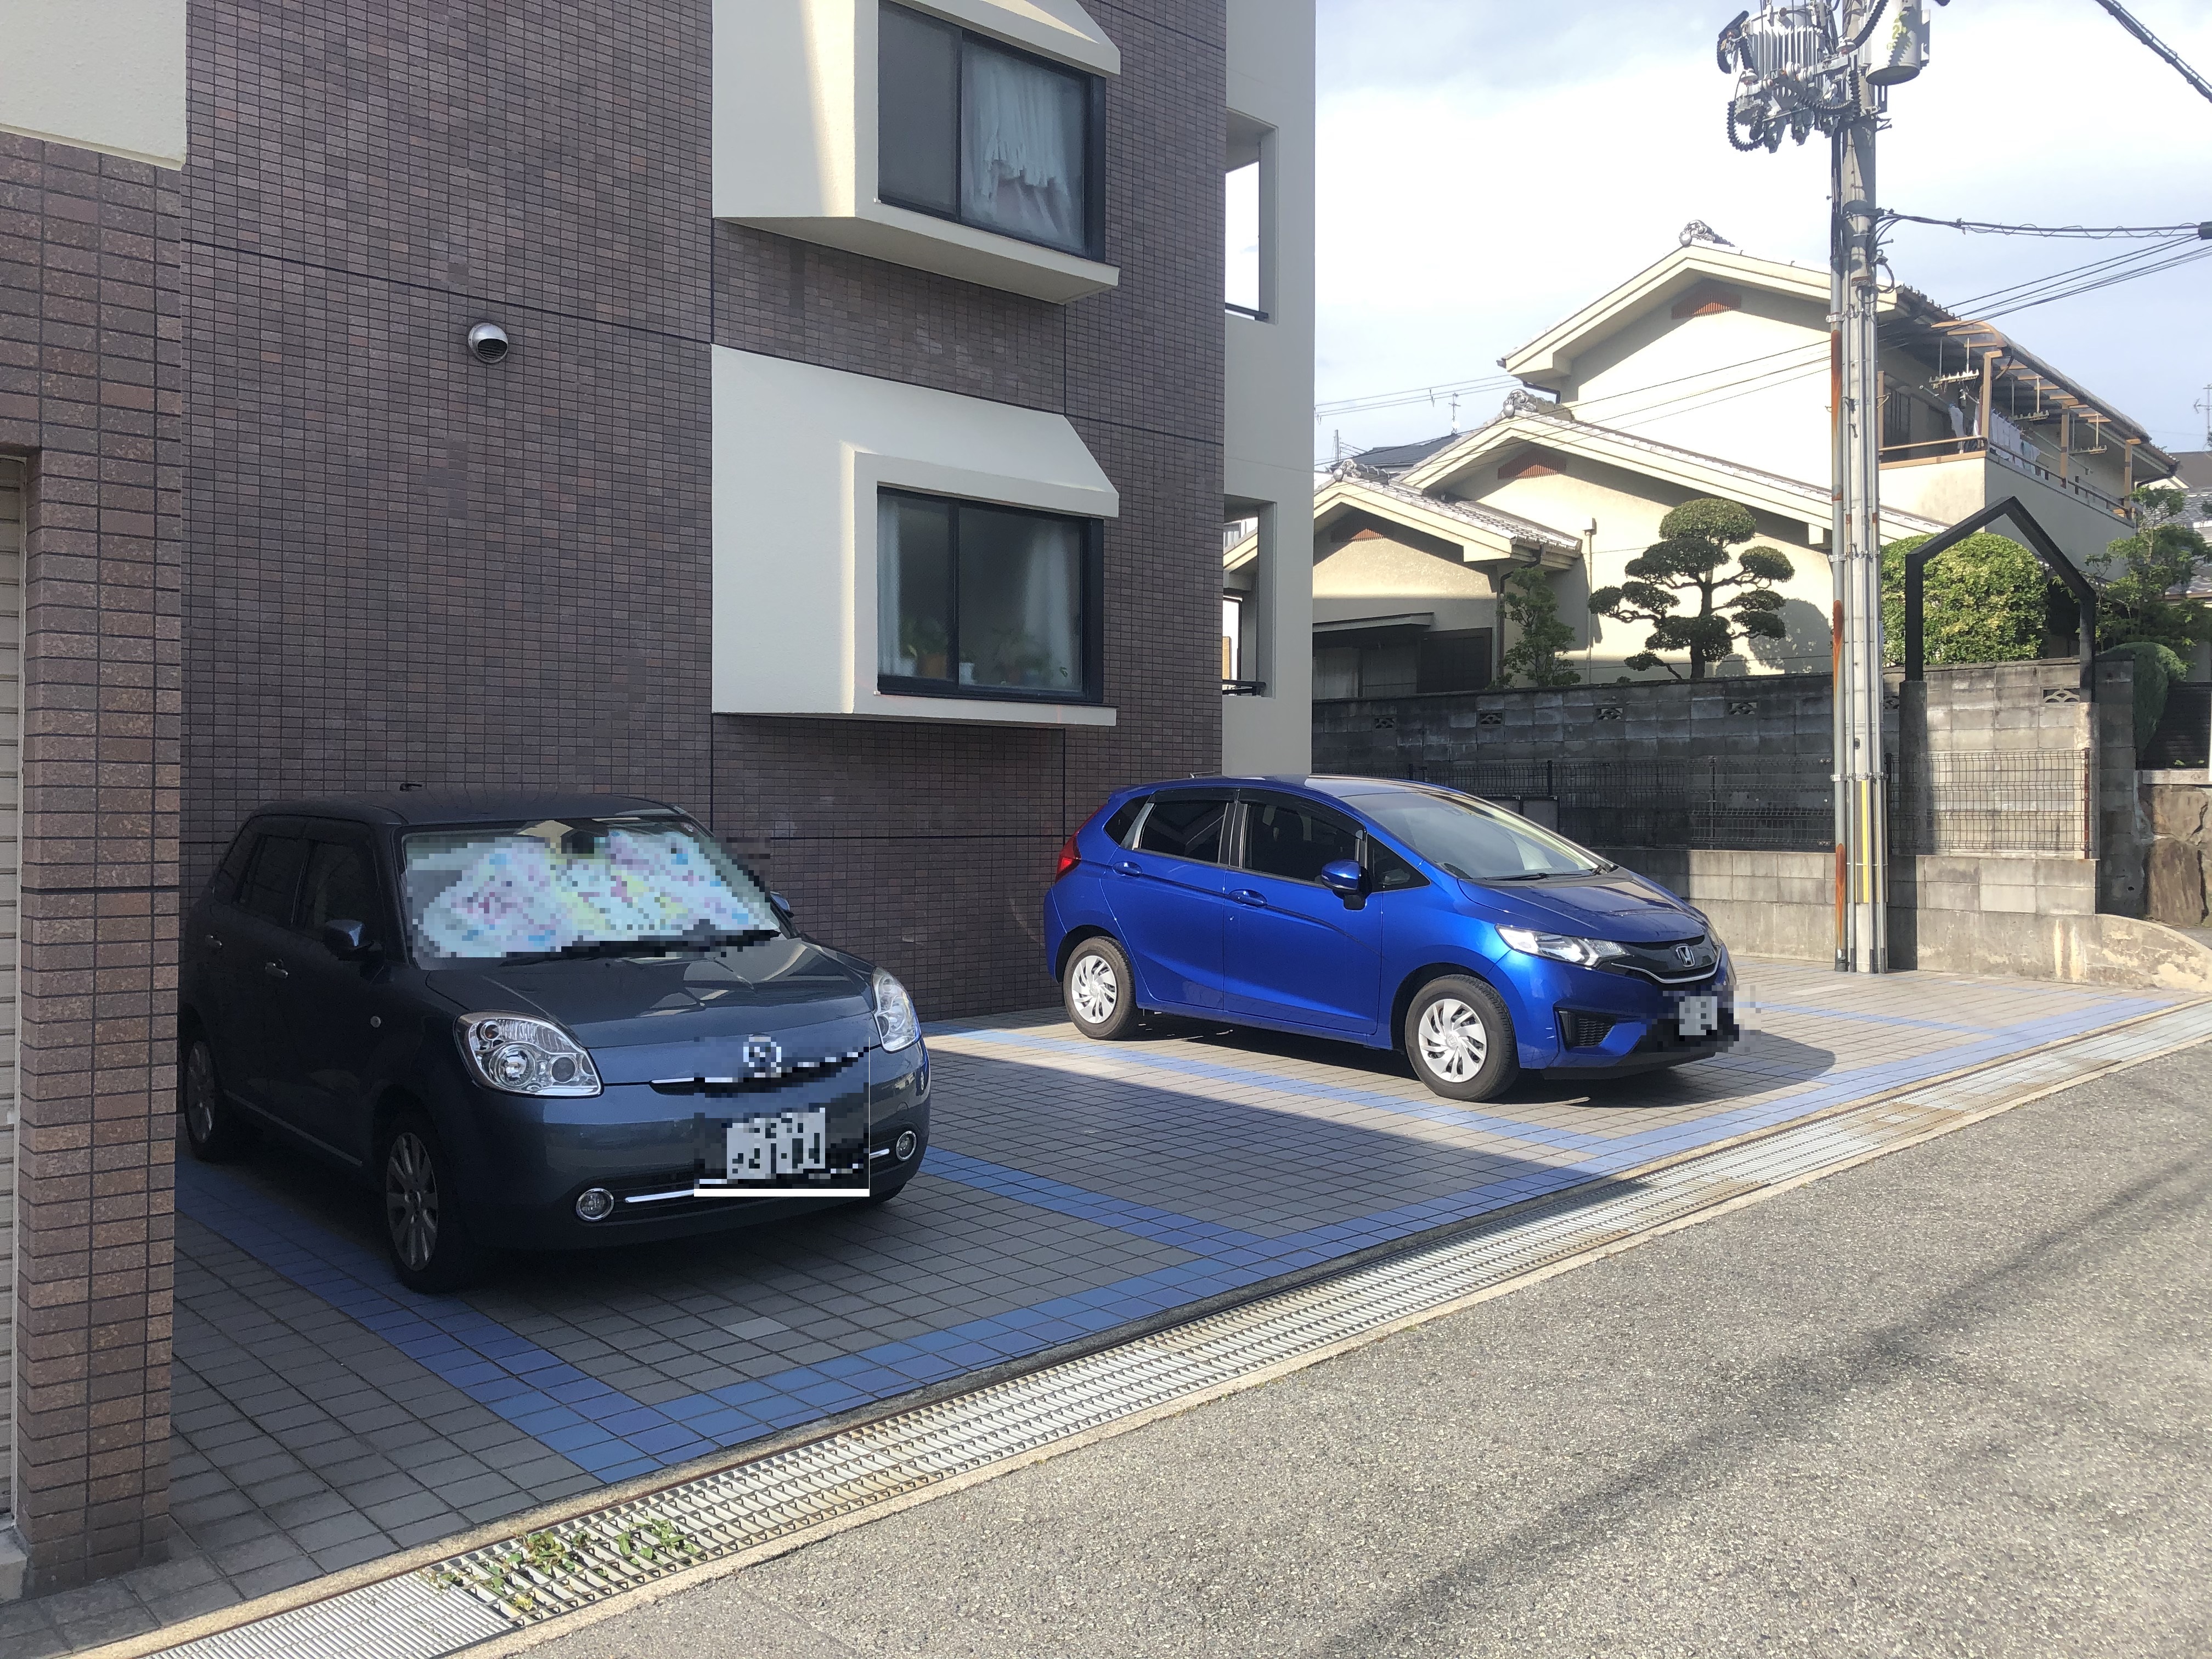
(1388, 872)
(1117, 828)
(1291, 839)
(341, 887)
(273, 878)
(232, 870)
(1186, 827)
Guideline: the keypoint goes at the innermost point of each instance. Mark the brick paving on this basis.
(326, 1417)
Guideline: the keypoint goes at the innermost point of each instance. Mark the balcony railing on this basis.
(1944, 449)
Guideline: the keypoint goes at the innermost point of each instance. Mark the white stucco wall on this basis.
(1751, 385)
(1378, 577)
(102, 75)
(1267, 412)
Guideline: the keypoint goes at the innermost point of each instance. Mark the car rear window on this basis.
(577, 884)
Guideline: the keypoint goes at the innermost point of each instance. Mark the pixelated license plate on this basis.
(1697, 1017)
(768, 1148)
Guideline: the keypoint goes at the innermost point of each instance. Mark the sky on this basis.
(1485, 169)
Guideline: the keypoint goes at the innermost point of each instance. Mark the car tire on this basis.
(215, 1129)
(1099, 992)
(425, 1226)
(1460, 1039)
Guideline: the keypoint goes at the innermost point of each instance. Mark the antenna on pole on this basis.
(1817, 66)
(2203, 406)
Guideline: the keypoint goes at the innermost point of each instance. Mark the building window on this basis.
(973, 130)
(986, 601)
(1248, 219)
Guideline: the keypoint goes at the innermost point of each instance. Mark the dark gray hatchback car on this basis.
(539, 1023)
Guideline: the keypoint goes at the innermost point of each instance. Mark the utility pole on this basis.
(1807, 67)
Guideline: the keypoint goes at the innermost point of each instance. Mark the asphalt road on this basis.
(1955, 1401)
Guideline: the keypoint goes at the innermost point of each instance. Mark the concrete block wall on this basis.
(2035, 918)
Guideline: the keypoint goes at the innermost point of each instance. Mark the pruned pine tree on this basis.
(1691, 564)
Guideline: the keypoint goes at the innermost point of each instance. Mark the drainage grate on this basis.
(756, 1506)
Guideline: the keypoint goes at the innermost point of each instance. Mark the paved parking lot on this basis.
(324, 1416)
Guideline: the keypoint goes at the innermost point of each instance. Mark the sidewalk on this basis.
(325, 1417)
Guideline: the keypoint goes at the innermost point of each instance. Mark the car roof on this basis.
(1315, 784)
(421, 806)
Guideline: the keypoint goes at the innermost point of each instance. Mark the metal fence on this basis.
(2037, 801)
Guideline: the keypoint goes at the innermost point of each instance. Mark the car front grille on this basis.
(1664, 960)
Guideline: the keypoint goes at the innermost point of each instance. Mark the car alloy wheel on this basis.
(1094, 989)
(1454, 1041)
(410, 1200)
(212, 1128)
(199, 1094)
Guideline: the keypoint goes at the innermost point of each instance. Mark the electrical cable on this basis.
(2092, 233)
(2191, 258)
(2111, 264)
(2157, 45)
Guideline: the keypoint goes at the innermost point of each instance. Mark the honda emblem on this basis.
(1688, 955)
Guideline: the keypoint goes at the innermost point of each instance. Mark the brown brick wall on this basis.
(408, 567)
(89, 376)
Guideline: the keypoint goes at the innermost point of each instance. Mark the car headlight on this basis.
(895, 1022)
(518, 1055)
(1560, 947)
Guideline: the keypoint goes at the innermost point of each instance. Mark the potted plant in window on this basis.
(923, 644)
(1023, 659)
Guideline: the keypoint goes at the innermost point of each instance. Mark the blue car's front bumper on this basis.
(1570, 1018)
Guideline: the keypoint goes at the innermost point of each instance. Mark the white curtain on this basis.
(1051, 609)
(1021, 144)
(888, 614)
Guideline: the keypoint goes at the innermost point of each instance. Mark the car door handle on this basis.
(1258, 901)
(276, 970)
(1130, 867)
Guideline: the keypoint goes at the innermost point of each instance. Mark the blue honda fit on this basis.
(1391, 914)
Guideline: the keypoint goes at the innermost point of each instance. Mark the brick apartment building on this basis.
(812, 307)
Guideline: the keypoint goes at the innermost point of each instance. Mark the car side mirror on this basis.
(782, 905)
(345, 939)
(1343, 878)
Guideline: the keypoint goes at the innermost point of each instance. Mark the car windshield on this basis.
(1465, 838)
(576, 886)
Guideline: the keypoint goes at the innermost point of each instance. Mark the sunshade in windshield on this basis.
(552, 887)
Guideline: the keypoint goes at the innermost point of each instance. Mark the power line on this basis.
(2157, 45)
(2191, 258)
(2028, 287)
(1366, 402)
(2092, 233)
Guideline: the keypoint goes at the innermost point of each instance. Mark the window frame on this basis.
(1232, 828)
(1091, 628)
(339, 832)
(1094, 138)
(1247, 801)
(266, 833)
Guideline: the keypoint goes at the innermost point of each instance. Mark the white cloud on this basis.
(1484, 171)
